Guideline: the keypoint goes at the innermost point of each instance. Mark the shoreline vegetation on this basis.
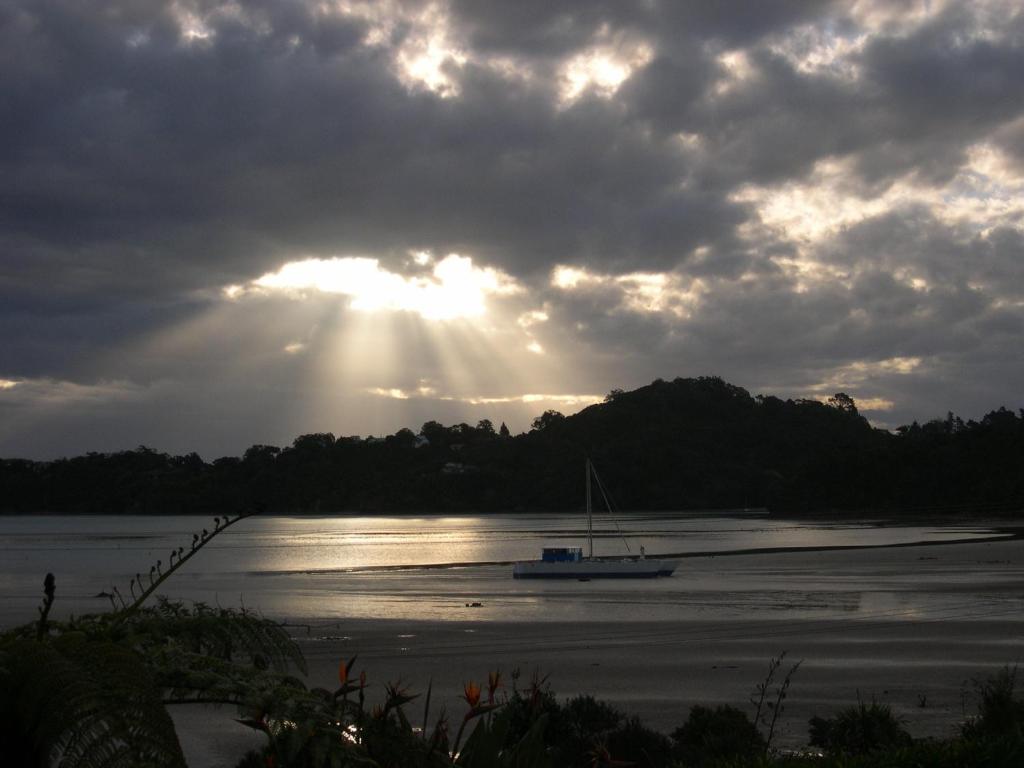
(686, 444)
(94, 691)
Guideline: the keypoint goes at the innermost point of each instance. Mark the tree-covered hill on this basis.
(682, 444)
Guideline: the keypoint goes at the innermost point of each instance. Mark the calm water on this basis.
(422, 567)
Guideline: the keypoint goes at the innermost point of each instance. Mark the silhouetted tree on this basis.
(547, 419)
(843, 402)
(434, 432)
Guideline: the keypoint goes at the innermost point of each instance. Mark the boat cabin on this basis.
(562, 554)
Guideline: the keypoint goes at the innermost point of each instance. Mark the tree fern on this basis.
(90, 692)
(232, 635)
(76, 702)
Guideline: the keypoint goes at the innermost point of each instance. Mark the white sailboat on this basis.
(569, 562)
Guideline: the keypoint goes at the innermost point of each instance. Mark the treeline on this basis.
(684, 444)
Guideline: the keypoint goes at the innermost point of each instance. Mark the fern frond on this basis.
(238, 636)
(77, 702)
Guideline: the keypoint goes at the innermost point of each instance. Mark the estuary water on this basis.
(435, 567)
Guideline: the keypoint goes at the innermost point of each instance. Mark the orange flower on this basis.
(471, 693)
(493, 684)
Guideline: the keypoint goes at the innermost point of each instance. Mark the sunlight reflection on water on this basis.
(375, 566)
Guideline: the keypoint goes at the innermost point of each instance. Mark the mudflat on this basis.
(910, 626)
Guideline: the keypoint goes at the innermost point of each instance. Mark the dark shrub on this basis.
(573, 731)
(713, 735)
(586, 716)
(252, 759)
(636, 743)
(526, 707)
(859, 730)
(999, 713)
(583, 725)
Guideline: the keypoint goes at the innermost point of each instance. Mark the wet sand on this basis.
(908, 626)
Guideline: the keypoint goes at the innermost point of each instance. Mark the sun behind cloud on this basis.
(456, 288)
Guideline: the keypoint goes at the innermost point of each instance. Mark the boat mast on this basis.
(590, 520)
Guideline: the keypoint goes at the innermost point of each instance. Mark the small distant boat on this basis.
(569, 562)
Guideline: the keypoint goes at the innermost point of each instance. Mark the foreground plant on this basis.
(1000, 713)
(859, 730)
(769, 703)
(80, 698)
(711, 736)
(92, 691)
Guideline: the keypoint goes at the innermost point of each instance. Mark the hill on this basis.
(683, 444)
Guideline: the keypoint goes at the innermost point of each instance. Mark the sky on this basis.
(230, 223)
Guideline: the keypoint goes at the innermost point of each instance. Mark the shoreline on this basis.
(999, 534)
(915, 638)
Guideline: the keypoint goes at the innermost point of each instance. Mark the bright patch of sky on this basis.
(861, 376)
(532, 318)
(822, 51)
(394, 393)
(456, 288)
(985, 193)
(562, 400)
(47, 391)
(858, 376)
(641, 292)
(863, 403)
(603, 67)
(736, 71)
(428, 52)
(197, 22)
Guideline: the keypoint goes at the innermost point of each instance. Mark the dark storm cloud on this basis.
(873, 334)
(918, 102)
(215, 159)
(545, 29)
(283, 128)
(142, 170)
(944, 92)
(944, 255)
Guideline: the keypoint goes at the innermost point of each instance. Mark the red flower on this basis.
(471, 693)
